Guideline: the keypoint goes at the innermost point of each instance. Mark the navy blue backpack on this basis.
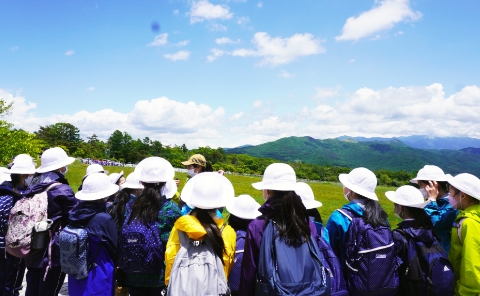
(140, 249)
(295, 269)
(370, 257)
(331, 261)
(428, 272)
(234, 276)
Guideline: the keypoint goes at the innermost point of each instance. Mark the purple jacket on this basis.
(253, 240)
(61, 201)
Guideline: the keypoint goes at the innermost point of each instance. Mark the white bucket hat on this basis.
(154, 170)
(245, 207)
(23, 167)
(208, 190)
(277, 176)
(96, 186)
(23, 157)
(114, 177)
(306, 194)
(466, 183)
(4, 175)
(170, 189)
(95, 168)
(132, 182)
(430, 173)
(408, 196)
(53, 159)
(361, 181)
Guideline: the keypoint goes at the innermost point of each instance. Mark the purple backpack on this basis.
(371, 262)
(140, 248)
(332, 263)
(234, 276)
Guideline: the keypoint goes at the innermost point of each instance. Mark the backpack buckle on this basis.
(196, 243)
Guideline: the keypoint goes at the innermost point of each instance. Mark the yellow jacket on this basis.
(192, 227)
(464, 255)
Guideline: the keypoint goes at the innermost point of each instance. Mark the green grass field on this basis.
(330, 194)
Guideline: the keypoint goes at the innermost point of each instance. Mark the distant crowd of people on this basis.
(104, 162)
(137, 235)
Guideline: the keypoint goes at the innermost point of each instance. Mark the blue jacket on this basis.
(7, 200)
(321, 231)
(338, 225)
(442, 216)
(102, 234)
(61, 201)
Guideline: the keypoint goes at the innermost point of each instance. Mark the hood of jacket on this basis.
(470, 212)
(84, 211)
(41, 182)
(355, 206)
(6, 188)
(192, 227)
(418, 234)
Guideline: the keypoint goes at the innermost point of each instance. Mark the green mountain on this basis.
(391, 155)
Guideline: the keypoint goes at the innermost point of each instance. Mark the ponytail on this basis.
(213, 233)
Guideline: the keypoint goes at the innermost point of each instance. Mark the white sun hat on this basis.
(23, 157)
(361, 181)
(430, 173)
(277, 176)
(96, 186)
(466, 183)
(95, 168)
(155, 170)
(132, 181)
(53, 159)
(23, 167)
(114, 177)
(245, 207)
(306, 194)
(170, 189)
(408, 196)
(208, 190)
(4, 175)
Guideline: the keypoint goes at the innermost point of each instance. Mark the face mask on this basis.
(264, 195)
(424, 193)
(347, 195)
(28, 181)
(66, 170)
(452, 201)
(191, 173)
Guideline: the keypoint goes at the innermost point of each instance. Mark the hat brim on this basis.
(415, 180)
(86, 196)
(22, 172)
(459, 187)
(392, 196)
(278, 186)
(357, 189)
(131, 186)
(248, 216)
(311, 204)
(186, 162)
(170, 189)
(102, 172)
(67, 161)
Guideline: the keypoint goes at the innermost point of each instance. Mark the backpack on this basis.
(295, 269)
(234, 276)
(74, 249)
(331, 262)
(26, 212)
(140, 249)
(197, 270)
(371, 262)
(428, 272)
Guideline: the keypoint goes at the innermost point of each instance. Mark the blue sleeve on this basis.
(337, 227)
(441, 214)
(325, 235)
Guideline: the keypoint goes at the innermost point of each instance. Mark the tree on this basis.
(59, 134)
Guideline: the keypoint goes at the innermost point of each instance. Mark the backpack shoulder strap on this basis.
(52, 186)
(459, 229)
(346, 213)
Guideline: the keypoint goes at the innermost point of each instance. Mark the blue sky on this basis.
(228, 73)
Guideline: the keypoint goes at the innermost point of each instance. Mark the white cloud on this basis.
(259, 4)
(276, 50)
(175, 12)
(243, 20)
(204, 10)
(225, 40)
(216, 27)
(257, 104)
(352, 61)
(285, 74)
(160, 40)
(183, 43)
(215, 53)
(325, 93)
(181, 55)
(69, 52)
(383, 16)
(237, 116)
(90, 88)
(399, 33)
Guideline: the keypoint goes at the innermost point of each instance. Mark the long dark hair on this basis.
(315, 214)
(145, 208)
(373, 213)
(421, 219)
(16, 180)
(290, 216)
(213, 233)
(118, 207)
(238, 223)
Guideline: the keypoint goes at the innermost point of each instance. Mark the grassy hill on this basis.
(391, 155)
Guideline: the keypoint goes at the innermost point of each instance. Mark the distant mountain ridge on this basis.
(426, 142)
(392, 154)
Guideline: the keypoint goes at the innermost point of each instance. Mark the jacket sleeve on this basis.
(400, 246)
(468, 283)
(230, 241)
(251, 252)
(337, 227)
(441, 214)
(173, 245)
